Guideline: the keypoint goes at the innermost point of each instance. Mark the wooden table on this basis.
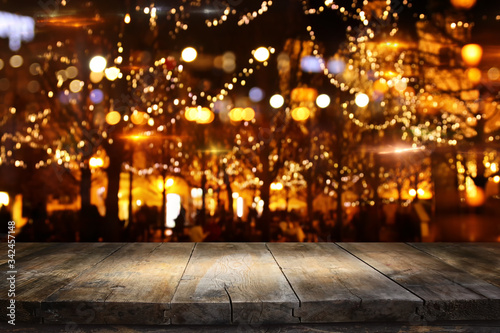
(253, 283)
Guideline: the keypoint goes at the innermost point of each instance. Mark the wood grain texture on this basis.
(449, 293)
(479, 259)
(133, 286)
(334, 286)
(22, 250)
(43, 272)
(233, 283)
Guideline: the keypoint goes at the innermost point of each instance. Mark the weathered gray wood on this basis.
(479, 259)
(449, 293)
(21, 250)
(41, 273)
(334, 286)
(133, 286)
(233, 283)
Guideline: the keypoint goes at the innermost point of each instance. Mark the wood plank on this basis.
(22, 250)
(334, 286)
(237, 283)
(479, 259)
(133, 286)
(449, 293)
(42, 272)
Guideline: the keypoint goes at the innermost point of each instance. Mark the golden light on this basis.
(496, 179)
(191, 114)
(276, 101)
(420, 192)
(304, 94)
(474, 75)
(138, 118)
(474, 196)
(300, 113)
(380, 86)
(362, 100)
(169, 182)
(261, 54)
(4, 198)
(472, 54)
(323, 101)
(96, 77)
(247, 114)
(189, 54)
(236, 114)
(127, 19)
(112, 73)
(276, 186)
(96, 162)
(16, 61)
(113, 117)
(463, 4)
(76, 86)
(205, 116)
(494, 167)
(412, 192)
(98, 64)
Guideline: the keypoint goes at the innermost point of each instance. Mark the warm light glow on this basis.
(96, 162)
(169, 182)
(113, 117)
(205, 116)
(189, 54)
(276, 186)
(261, 54)
(300, 113)
(304, 94)
(127, 19)
(496, 179)
(138, 118)
(239, 207)
(463, 4)
(247, 114)
(97, 64)
(323, 101)
(420, 192)
(76, 86)
(173, 209)
(474, 75)
(362, 100)
(276, 101)
(472, 54)
(112, 73)
(16, 61)
(236, 114)
(475, 196)
(191, 114)
(412, 192)
(4, 199)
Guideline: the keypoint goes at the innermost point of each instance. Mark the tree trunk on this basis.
(85, 185)
(265, 223)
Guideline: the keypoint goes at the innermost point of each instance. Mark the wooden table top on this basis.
(253, 283)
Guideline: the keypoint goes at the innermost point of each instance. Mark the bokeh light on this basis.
(463, 4)
(1, 64)
(311, 64)
(35, 69)
(301, 113)
(98, 64)
(493, 74)
(336, 66)
(474, 75)
(96, 96)
(276, 101)
(189, 54)
(112, 73)
(76, 86)
(16, 61)
(323, 101)
(256, 94)
(113, 117)
(362, 100)
(472, 54)
(261, 54)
